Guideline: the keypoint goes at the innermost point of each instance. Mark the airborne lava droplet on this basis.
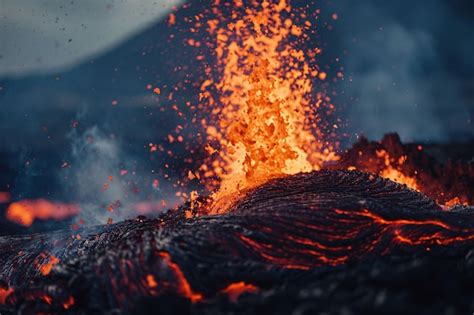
(151, 282)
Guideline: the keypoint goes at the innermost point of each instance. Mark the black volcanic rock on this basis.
(335, 241)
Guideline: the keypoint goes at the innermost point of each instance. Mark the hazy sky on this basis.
(44, 35)
(408, 64)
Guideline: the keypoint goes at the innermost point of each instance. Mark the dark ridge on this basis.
(303, 242)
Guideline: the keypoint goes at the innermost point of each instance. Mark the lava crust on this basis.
(334, 241)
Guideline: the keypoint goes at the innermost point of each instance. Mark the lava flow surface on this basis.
(304, 237)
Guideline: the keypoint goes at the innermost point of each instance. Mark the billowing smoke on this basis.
(96, 159)
(408, 68)
(107, 183)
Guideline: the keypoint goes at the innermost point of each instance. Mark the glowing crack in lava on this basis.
(264, 121)
(236, 289)
(301, 223)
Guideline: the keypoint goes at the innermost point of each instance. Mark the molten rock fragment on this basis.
(322, 241)
(417, 166)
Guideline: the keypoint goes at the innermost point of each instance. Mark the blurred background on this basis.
(80, 123)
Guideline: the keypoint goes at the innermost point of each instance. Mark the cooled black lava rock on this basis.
(333, 241)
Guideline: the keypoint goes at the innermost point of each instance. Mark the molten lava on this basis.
(264, 119)
(5, 197)
(236, 289)
(183, 286)
(447, 183)
(391, 170)
(4, 293)
(48, 262)
(290, 228)
(24, 212)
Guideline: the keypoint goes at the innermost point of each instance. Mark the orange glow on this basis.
(455, 201)
(4, 293)
(235, 290)
(5, 197)
(184, 288)
(69, 303)
(149, 207)
(264, 119)
(24, 212)
(393, 172)
(47, 299)
(439, 237)
(325, 245)
(46, 268)
(151, 282)
(172, 19)
(378, 219)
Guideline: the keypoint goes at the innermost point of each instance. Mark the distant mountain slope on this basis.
(37, 112)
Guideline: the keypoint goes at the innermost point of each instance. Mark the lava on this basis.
(24, 212)
(448, 183)
(183, 286)
(264, 137)
(264, 118)
(439, 236)
(296, 227)
(393, 172)
(236, 289)
(4, 293)
(151, 282)
(69, 303)
(45, 268)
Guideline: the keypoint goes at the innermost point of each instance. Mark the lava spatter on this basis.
(264, 117)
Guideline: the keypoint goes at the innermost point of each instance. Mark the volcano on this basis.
(274, 215)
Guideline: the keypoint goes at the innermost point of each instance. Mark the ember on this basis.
(50, 262)
(4, 293)
(183, 286)
(235, 290)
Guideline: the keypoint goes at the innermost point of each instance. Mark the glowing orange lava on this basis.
(456, 201)
(429, 238)
(184, 287)
(69, 303)
(4, 293)
(24, 212)
(264, 118)
(392, 171)
(46, 268)
(151, 282)
(236, 289)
